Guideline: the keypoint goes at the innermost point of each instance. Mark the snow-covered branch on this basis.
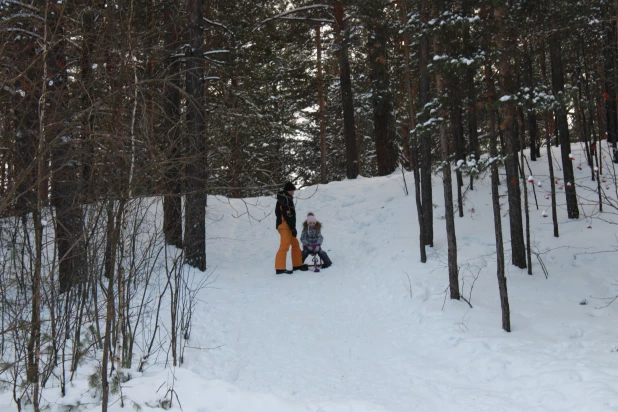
(24, 15)
(22, 4)
(293, 11)
(30, 33)
(216, 52)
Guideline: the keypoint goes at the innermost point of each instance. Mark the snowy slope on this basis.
(377, 332)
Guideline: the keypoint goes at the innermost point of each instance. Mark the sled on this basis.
(316, 259)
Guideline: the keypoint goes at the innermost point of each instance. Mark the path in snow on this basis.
(372, 327)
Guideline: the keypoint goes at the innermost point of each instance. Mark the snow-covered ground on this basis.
(377, 331)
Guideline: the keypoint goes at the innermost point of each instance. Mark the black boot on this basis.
(302, 268)
(281, 271)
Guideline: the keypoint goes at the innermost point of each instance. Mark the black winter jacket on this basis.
(285, 209)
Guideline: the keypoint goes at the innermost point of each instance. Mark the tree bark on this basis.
(113, 225)
(495, 179)
(495, 200)
(562, 126)
(453, 272)
(172, 200)
(195, 213)
(458, 137)
(471, 93)
(381, 98)
(509, 125)
(531, 114)
(550, 163)
(426, 144)
(413, 153)
(347, 97)
(610, 66)
(321, 104)
(526, 203)
(65, 181)
(473, 145)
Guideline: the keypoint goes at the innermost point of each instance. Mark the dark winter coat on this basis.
(285, 210)
(311, 234)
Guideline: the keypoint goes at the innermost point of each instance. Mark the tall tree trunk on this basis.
(172, 200)
(473, 145)
(113, 225)
(347, 98)
(495, 200)
(426, 144)
(381, 98)
(562, 126)
(87, 161)
(458, 137)
(453, 272)
(549, 131)
(195, 213)
(529, 83)
(33, 349)
(610, 66)
(509, 125)
(24, 174)
(236, 139)
(526, 203)
(413, 153)
(589, 105)
(34, 342)
(471, 93)
(495, 179)
(321, 104)
(65, 189)
(550, 163)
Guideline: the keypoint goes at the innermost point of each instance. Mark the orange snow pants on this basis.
(287, 240)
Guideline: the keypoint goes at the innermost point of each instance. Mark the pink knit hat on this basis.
(311, 219)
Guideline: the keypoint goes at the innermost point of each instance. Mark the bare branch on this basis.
(217, 24)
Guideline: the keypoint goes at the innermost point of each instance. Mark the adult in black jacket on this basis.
(286, 225)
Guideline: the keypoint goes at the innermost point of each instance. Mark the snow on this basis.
(376, 332)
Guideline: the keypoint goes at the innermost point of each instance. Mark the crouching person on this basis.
(312, 239)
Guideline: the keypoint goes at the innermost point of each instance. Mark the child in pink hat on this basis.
(312, 240)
